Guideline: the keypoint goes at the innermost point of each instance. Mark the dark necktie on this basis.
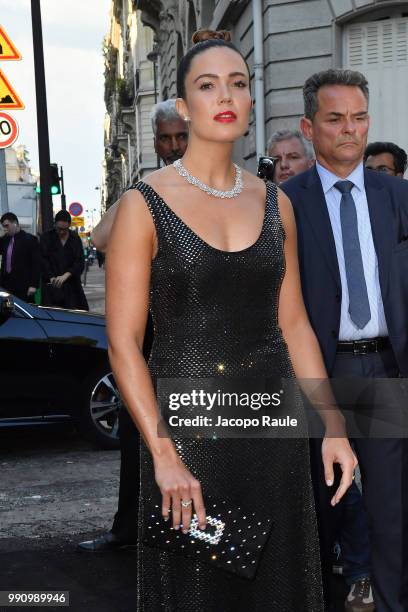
(359, 306)
(9, 255)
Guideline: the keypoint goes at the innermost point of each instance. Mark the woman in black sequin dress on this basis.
(221, 278)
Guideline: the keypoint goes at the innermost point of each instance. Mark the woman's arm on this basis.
(307, 359)
(128, 269)
(100, 234)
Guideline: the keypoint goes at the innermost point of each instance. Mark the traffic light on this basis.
(55, 179)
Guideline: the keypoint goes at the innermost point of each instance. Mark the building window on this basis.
(379, 49)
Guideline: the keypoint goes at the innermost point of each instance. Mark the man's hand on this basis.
(31, 291)
(58, 281)
(338, 450)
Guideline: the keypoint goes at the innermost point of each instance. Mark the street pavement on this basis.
(94, 287)
(57, 490)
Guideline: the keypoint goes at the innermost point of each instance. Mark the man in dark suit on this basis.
(352, 228)
(170, 142)
(20, 271)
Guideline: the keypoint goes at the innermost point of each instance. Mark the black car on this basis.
(54, 367)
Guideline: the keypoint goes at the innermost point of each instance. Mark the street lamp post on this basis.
(63, 196)
(42, 118)
(153, 57)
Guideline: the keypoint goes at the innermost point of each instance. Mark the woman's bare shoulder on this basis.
(154, 179)
(132, 206)
(160, 177)
(254, 184)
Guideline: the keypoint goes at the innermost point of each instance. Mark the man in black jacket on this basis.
(170, 141)
(63, 262)
(20, 259)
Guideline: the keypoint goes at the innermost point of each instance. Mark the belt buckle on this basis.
(360, 348)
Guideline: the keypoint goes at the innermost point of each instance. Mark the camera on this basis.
(266, 167)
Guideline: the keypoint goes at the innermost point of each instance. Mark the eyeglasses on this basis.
(385, 169)
(62, 230)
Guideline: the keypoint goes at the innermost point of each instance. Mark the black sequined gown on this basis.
(212, 307)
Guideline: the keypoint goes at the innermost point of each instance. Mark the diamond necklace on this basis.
(217, 193)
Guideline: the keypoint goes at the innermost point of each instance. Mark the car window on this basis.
(18, 313)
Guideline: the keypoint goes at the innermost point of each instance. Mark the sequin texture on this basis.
(215, 315)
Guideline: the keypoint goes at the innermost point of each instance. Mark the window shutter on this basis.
(379, 49)
(402, 41)
(355, 46)
(376, 42)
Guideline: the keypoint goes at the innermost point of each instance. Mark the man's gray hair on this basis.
(350, 78)
(163, 111)
(281, 135)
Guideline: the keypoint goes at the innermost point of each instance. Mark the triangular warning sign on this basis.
(8, 97)
(8, 51)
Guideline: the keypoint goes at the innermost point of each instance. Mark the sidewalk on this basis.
(95, 288)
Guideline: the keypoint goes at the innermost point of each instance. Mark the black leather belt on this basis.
(362, 347)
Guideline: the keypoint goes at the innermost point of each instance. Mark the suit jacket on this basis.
(387, 198)
(56, 260)
(25, 264)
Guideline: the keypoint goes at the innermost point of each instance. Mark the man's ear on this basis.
(306, 127)
(181, 108)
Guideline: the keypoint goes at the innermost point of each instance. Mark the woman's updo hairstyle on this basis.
(202, 40)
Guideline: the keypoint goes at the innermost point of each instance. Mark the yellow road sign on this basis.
(8, 51)
(8, 97)
(78, 221)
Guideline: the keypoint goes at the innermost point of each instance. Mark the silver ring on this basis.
(187, 503)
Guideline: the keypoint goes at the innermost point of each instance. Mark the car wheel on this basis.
(101, 402)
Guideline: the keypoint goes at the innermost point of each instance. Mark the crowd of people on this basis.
(368, 532)
(51, 266)
(333, 246)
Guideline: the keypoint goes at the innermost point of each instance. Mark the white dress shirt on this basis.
(377, 325)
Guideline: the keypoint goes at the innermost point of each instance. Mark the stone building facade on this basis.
(18, 169)
(299, 37)
(129, 97)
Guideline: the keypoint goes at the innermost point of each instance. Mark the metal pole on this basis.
(3, 183)
(63, 196)
(155, 99)
(159, 81)
(259, 77)
(42, 118)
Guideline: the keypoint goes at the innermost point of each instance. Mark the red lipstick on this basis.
(225, 117)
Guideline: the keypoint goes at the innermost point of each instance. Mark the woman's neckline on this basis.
(204, 242)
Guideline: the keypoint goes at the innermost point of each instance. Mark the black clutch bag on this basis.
(233, 540)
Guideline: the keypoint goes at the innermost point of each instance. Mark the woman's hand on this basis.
(177, 484)
(338, 450)
(58, 281)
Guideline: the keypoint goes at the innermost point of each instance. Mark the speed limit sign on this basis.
(8, 130)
